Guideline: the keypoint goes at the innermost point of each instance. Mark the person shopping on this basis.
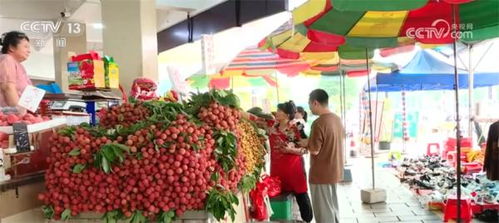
(13, 77)
(300, 119)
(286, 157)
(326, 158)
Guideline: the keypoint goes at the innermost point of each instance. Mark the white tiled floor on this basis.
(401, 204)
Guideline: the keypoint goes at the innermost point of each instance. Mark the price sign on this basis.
(31, 98)
(21, 137)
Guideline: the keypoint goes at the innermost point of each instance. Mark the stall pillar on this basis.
(129, 35)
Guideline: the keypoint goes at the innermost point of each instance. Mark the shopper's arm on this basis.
(314, 143)
(294, 150)
(260, 122)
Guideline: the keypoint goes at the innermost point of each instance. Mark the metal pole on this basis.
(471, 86)
(345, 114)
(277, 85)
(458, 129)
(342, 113)
(370, 120)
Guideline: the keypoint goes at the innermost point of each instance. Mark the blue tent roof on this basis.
(425, 72)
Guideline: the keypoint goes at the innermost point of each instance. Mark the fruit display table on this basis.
(19, 190)
(156, 160)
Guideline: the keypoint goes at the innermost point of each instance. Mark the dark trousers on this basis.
(305, 207)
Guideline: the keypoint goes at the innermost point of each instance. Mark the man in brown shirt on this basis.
(326, 161)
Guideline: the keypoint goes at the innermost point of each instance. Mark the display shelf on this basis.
(22, 180)
(13, 151)
(38, 127)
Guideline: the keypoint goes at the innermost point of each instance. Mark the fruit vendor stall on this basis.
(156, 160)
(23, 150)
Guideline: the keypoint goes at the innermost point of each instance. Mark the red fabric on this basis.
(436, 15)
(325, 38)
(391, 51)
(288, 167)
(311, 21)
(262, 42)
(270, 80)
(320, 47)
(294, 70)
(220, 83)
(357, 73)
(326, 68)
(287, 54)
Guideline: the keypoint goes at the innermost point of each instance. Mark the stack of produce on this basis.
(10, 119)
(169, 158)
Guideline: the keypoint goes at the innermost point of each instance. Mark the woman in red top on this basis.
(286, 158)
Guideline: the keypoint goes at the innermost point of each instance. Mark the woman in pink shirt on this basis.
(13, 77)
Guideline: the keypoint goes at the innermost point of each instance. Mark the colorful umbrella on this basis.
(372, 25)
(251, 67)
(265, 62)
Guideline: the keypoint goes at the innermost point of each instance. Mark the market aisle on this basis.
(401, 204)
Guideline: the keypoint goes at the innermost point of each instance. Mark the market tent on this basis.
(425, 72)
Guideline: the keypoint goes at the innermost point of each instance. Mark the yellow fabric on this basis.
(229, 73)
(308, 10)
(238, 82)
(429, 46)
(312, 73)
(281, 37)
(315, 58)
(405, 41)
(379, 24)
(472, 155)
(260, 72)
(296, 43)
(381, 69)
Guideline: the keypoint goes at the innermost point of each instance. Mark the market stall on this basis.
(22, 160)
(156, 160)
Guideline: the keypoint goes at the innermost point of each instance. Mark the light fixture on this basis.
(97, 25)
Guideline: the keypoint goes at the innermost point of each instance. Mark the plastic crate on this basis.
(282, 208)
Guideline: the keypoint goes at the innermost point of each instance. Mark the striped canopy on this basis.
(261, 61)
(251, 67)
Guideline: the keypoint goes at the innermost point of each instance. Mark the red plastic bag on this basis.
(92, 55)
(273, 185)
(143, 89)
(267, 187)
(259, 209)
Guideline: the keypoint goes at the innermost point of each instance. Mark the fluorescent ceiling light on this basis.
(97, 25)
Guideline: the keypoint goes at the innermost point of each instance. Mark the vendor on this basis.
(13, 78)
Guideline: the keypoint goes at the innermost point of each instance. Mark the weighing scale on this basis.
(68, 105)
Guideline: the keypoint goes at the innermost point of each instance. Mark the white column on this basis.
(129, 35)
